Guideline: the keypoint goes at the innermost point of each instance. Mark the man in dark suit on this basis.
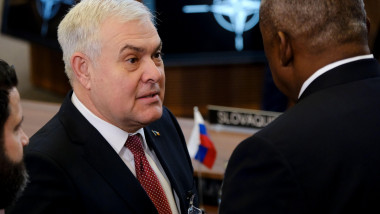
(112, 145)
(13, 176)
(323, 154)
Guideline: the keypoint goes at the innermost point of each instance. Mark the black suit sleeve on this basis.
(49, 191)
(259, 180)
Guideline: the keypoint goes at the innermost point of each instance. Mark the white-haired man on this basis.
(112, 147)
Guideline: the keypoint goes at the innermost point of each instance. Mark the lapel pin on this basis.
(156, 133)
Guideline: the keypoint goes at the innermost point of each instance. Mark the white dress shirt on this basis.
(117, 138)
(329, 67)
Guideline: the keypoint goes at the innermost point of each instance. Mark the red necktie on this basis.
(146, 176)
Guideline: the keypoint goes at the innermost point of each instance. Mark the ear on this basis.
(286, 52)
(368, 23)
(80, 66)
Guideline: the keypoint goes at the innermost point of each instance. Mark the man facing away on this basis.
(13, 176)
(323, 154)
(112, 147)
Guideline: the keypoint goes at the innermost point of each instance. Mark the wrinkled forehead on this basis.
(117, 27)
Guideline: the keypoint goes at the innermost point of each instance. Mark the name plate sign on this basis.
(239, 117)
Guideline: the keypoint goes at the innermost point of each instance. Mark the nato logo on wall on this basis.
(209, 31)
(194, 32)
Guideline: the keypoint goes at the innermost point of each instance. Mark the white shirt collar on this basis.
(329, 67)
(115, 136)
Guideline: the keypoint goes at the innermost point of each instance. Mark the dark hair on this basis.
(8, 80)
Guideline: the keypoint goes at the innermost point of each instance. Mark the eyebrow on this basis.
(138, 49)
(131, 47)
(159, 47)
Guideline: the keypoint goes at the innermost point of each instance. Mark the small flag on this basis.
(156, 133)
(200, 146)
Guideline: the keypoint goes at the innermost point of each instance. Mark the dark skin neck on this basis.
(306, 63)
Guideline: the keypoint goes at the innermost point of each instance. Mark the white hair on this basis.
(79, 29)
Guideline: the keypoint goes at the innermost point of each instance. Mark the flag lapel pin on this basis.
(156, 133)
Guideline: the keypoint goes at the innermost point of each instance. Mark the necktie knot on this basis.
(134, 144)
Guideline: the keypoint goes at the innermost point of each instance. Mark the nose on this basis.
(153, 72)
(24, 138)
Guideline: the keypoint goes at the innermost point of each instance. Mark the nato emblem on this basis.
(48, 9)
(242, 15)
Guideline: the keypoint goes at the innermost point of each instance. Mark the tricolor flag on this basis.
(200, 146)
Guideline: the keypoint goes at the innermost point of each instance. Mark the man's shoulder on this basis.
(48, 138)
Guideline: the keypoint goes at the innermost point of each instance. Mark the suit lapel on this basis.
(113, 169)
(161, 144)
(104, 159)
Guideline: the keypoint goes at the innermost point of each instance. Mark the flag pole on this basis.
(200, 186)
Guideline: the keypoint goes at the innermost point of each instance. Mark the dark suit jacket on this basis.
(74, 170)
(320, 156)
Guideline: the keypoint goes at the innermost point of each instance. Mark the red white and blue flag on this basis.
(199, 145)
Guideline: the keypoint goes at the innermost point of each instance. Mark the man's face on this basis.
(14, 136)
(13, 176)
(127, 83)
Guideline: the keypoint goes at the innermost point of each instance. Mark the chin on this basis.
(157, 114)
(152, 114)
